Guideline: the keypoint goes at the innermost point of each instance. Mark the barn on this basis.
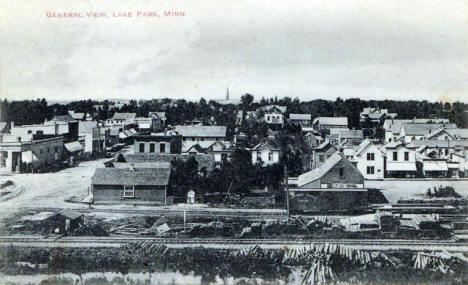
(336, 186)
(130, 185)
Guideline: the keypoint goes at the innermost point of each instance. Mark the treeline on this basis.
(181, 111)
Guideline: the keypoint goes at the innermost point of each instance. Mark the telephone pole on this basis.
(287, 189)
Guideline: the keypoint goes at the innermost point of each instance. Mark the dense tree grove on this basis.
(181, 111)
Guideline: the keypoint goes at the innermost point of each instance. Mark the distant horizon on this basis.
(256, 100)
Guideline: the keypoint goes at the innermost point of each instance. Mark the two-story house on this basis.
(121, 119)
(205, 136)
(370, 160)
(321, 153)
(417, 131)
(400, 160)
(162, 144)
(266, 153)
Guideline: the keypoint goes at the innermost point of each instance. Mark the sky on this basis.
(307, 49)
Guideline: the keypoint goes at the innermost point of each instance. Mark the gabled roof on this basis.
(397, 144)
(458, 133)
(161, 115)
(201, 131)
(127, 176)
(218, 146)
(124, 116)
(300, 117)
(269, 108)
(420, 129)
(317, 173)
(431, 133)
(366, 144)
(196, 148)
(337, 121)
(268, 145)
(394, 125)
(324, 144)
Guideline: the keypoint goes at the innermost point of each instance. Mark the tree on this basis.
(246, 100)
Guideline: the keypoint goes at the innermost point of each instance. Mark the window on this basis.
(129, 192)
(270, 156)
(395, 156)
(142, 147)
(370, 170)
(41, 151)
(370, 156)
(56, 149)
(202, 139)
(446, 152)
(29, 132)
(406, 156)
(341, 172)
(48, 149)
(162, 147)
(152, 147)
(321, 157)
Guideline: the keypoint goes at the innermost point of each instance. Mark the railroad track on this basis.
(168, 212)
(114, 241)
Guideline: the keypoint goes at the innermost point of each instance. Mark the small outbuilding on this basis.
(191, 197)
(65, 221)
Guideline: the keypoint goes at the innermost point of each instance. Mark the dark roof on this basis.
(70, 214)
(204, 160)
(127, 176)
(318, 173)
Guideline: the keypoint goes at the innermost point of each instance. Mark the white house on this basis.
(267, 153)
(300, 119)
(400, 160)
(370, 160)
(205, 136)
(274, 117)
(392, 127)
(121, 119)
(417, 131)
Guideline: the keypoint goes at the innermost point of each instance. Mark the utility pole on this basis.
(287, 189)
